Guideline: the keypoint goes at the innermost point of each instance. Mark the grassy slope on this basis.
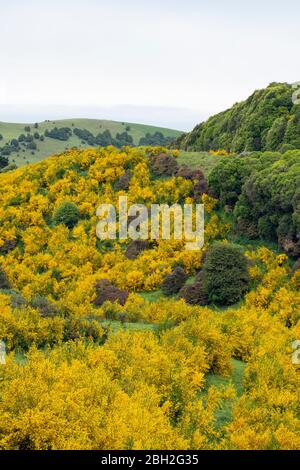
(224, 414)
(115, 326)
(52, 146)
(203, 160)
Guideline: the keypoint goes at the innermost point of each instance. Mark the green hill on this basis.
(40, 145)
(267, 120)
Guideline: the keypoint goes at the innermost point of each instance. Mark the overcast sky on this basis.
(170, 62)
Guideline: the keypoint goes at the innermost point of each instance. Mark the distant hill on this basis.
(267, 120)
(29, 143)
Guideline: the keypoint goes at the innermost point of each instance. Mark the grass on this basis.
(224, 414)
(116, 325)
(236, 377)
(203, 160)
(50, 146)
(153, 296)
(20, 358)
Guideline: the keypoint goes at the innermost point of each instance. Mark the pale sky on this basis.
(167, 62)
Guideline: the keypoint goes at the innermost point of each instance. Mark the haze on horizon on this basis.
(170, 63)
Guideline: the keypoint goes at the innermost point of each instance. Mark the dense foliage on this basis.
(59, 133)
(174, 281)
(264, 189)
(3, 161)
(106, 291)
(4, 283)
(92, 363)
(193, 293)
(224, 274)
(267, 120)
(157, 138)
(67, 213)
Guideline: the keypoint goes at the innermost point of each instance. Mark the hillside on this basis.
(267, 120)
(100, 350)
(38, 145)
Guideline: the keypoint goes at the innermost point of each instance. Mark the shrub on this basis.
(123, 139)
(189, 173)
(286, 147)
(199, 275)
(3, 161)
(196, 175)
(193, 294)
(105, 291)
(104, 139)
(6, 150)
(84, 135)
(62, 133)
(16, 298)
(44, 306)
(135, 248)
(174, 281)
(31, 146)
(15, 144)
(200, 187)
(67, 214)
(123, 182)
(288, 233)
(156, 139)
(75, 328)
(163, 165)
(29, 138)
(247, 227)
(8, 246)
(296, 266)
(4, 282)
(225, 274)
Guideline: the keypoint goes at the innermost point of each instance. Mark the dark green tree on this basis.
(67, 213)
(225, 276)
(32, 145)
(3, 161)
